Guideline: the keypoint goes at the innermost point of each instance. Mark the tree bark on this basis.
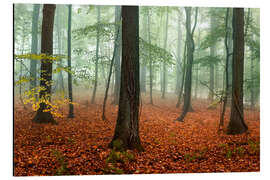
(43, 114)
(164, 76)
(190, 51)
(71, 108)
(117, 57)
(97, 57)
(127, 125)
(237, 124)
(34, 45)
(150, 59)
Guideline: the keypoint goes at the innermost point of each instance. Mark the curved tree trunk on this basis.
(42, 115)
(190, 51)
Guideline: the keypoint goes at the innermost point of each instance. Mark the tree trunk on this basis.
(117, 67)
(43, 114)
(221, 122)
(164, 81)
(212, 67)
(71, 108)
(126, 133)
(34, 45)
(190, 51)
(60, 78)
(97, 56)
(237, 124)
(150, 58)
(179, 99)
(178, 63)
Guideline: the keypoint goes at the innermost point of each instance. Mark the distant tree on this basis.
(97, 57)
(43, 114)
(34, 46)
(150, 58)
(117, 57)
(164, 75)
(190, 51)
(126, 133)
(237, 124)
(71, 108)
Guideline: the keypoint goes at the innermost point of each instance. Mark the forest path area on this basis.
(80, 145)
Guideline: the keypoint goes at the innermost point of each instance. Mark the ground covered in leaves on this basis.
(79, 146)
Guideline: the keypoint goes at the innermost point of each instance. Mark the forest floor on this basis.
(79, 146)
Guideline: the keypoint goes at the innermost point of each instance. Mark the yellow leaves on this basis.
(41, 56)
(59, 69)
(22, 80)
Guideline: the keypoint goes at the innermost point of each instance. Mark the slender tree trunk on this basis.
(117, 67)
(221, 122)
(178, 63)
(164, 81)
(126, 133)
(150, 58)
(71, 108)
(60, 78)
(212, 67)
(97, 57)
(190, 51)
(179, 99)
(43, 114)
(110, 73)
(34, 45)
(237, 124)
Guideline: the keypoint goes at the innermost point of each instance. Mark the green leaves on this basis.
(157, 54)
(206, 61)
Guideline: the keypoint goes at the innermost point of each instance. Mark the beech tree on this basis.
(126, 132)
(43, 114)
(237, 124)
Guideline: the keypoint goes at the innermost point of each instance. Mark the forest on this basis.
(102, 89)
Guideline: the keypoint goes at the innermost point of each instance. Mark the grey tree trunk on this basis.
(60, 78)
(71, 108)
(126, 133)
(212, 67)
(237, 124)
(150, 58)
(221, 122)
(190, 51)
(117, 68)
(34, 46)
(178, 63)
(97, 56)
(164, 76)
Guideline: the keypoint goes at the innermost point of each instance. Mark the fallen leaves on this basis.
(80, 145)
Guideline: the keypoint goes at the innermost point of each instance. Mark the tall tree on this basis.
(237, 124)
(190, 51)
(150, 58)
(212, 54)
(58, 16)
(117, 54)
(164, 76)
(127, 125)
(34, 46)
(43, 114)
(221, 122)
(97, 57)
(71, 113)
(178, 53)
